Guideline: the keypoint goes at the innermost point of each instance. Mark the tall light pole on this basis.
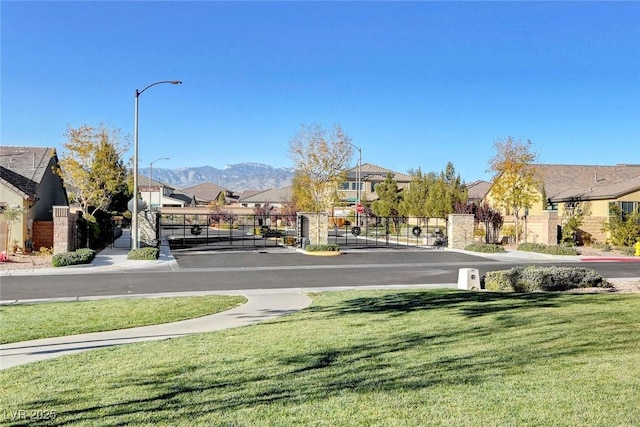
(134, 215)
(359, 190)
(151, 179)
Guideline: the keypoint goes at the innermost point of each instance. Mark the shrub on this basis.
(537, 278)
(484, 247)
(44, 251)
(289, 241)
(81, 256)
(544, 249)
(332, 247)
(144, 254)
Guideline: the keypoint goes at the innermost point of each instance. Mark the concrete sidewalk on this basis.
(261, 305)
(109, 259)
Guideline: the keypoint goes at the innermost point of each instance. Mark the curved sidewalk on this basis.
(261, 305)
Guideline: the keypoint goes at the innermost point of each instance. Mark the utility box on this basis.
(468, 278)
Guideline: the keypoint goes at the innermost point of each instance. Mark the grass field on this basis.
(24, 322)
(383, 358)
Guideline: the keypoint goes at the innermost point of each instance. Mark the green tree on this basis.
(414, 202)
(623, 228)
(92, 168)
(445, 191)
(320, 161)
(514, 180)
(389, 198)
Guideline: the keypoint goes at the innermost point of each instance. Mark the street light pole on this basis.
(134, 214)
(151, 179)
(359, 179)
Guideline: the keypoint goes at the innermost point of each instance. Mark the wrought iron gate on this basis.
(230, 231)
(227, 230)
(371, 231)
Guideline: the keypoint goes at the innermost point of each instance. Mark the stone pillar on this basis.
(147, 228)
(63, 230)
(318, 227)
(549, 231)
(460, 230)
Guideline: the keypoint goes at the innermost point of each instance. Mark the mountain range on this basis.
(238, 177)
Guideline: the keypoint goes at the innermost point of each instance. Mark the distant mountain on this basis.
(239, 177)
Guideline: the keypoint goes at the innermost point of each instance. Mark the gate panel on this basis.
(371, 231)
(227, 231)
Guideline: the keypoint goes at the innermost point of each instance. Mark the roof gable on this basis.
(371, 172)
(205, 191)
(274, 195)
(22, 168)
(565, 182)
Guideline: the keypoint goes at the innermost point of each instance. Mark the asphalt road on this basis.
(219, 270)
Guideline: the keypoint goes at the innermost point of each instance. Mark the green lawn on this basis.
(32, 321)
(387, 358)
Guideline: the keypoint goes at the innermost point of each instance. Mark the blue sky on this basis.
(415, 84)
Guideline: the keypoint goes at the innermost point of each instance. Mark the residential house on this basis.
(590, 189)
(477, 191)
(157, 194)
(29, 181)
(369, 176)
(275, 197)
(207, 192)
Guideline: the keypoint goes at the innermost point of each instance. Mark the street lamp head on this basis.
(176, 82)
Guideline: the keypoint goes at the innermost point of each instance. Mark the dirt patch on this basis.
(25, 262)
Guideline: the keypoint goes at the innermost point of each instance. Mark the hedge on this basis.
(536, 278)
(544, 249)
(332, 247)
(144, 254)
(80, 256)
(484, 247)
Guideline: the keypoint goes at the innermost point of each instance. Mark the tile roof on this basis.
(22, 168)
(207, 191)
(143, 181)
(369, 172)
(274, 195)
(565, 182)
(477, 190)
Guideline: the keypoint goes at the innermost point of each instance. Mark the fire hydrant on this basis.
(637, 246)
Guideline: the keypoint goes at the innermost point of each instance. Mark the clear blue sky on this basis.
(415, 84)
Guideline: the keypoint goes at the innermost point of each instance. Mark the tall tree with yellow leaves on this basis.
(320, 160)
(91, 166)
(514, 179)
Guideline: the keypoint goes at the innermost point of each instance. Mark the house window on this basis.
(628, 207)
(345, 186)
(354, 186)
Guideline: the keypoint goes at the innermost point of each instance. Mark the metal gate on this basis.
(227, 230)
(372, 231)
(230, 231)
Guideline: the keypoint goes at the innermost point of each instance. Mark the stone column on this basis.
(460, 230)
(318, 227)
(549, 232)
(63, 230)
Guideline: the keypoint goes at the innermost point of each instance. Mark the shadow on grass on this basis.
(470, 304)
(312, 368)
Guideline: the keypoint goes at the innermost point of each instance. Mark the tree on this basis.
(414, 202)
(492, 221)
(320, 161)
(623, 228)
(514, 180)
(447, 190)
(389, 198)
(92, 167)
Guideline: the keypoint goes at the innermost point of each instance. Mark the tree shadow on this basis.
(403, 359)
